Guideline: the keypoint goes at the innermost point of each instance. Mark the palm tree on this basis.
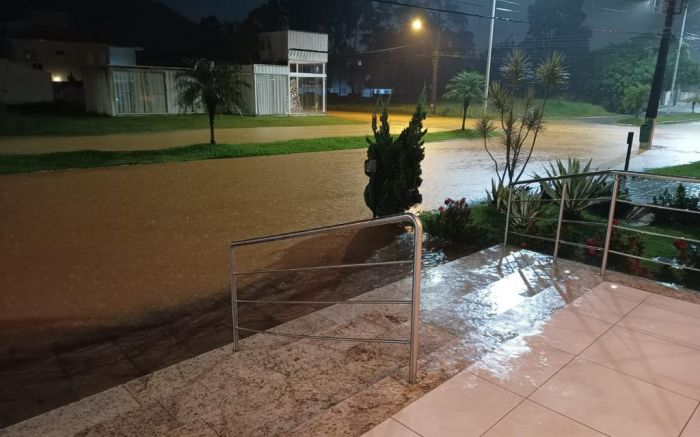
(218, 86)
(465, 86)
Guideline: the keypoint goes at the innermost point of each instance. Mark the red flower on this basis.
(680, 244)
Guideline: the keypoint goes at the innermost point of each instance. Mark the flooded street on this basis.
(104, 246)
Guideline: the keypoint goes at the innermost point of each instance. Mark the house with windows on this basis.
(293, 78)
(290, 80)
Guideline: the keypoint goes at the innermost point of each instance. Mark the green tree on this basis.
(636, 98)
(394, 165)
(617, 67)
(520, 116)
(559, 25)
(466, 87)
(217, 86)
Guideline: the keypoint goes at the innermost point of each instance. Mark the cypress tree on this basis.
(394, 166)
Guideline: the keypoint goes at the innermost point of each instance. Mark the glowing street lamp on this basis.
(417, 25)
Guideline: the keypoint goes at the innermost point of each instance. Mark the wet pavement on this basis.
(617, 361)
(471, 311)
(468, 308)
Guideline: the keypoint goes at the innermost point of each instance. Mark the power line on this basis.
(488, 17)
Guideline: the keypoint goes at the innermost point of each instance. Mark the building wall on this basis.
(20, 84)
(133, 91)
(290, 45)
(97, 91)
(267, 90)
(60, 59)
(63, 59)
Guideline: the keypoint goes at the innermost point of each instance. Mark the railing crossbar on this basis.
(327, 267)
(552, 240)
(657, 261)
(651, 205)
(592, 200)
(640, 231)
(329, 302)
(323, 337)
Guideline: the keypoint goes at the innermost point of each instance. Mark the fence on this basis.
(414, 301)
(620, 178)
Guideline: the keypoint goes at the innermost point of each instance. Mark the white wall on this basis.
(122, 56)
(133, 91)
(20, 84)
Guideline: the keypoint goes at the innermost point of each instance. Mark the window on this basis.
(311, 68)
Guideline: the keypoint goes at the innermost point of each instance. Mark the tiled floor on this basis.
(617, 361)
(528, 350)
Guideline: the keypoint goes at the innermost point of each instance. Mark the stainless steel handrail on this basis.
(610, 225)
(415, 286)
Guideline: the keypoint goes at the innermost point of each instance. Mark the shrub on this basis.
(394, 165)
(498, 197)
(581, 192)
(451, 222)
(679, 200)
(525, 208)
(628, 244)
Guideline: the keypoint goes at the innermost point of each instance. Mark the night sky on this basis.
(230, 10)
(619, 15)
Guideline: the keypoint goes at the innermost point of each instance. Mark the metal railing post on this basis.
(561, 217)
(234, 297)
(412, 342)
(611, 218)
(505, 234)
(415, 297)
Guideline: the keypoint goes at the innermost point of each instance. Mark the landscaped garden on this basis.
(654, 237)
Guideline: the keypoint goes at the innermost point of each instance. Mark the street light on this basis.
(417, 27)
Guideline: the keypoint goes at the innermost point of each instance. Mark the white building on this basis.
(299, 59)
(292, 82)
(132, 90)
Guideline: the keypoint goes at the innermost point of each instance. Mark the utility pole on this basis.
(646, 131)
(436, 62)
(678, 58)
(488, 57)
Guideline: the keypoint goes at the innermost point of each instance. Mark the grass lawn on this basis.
(20, 123)
(662, 119)
(688, 170)
(555, 108)
(196, 152)
(663, 246)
